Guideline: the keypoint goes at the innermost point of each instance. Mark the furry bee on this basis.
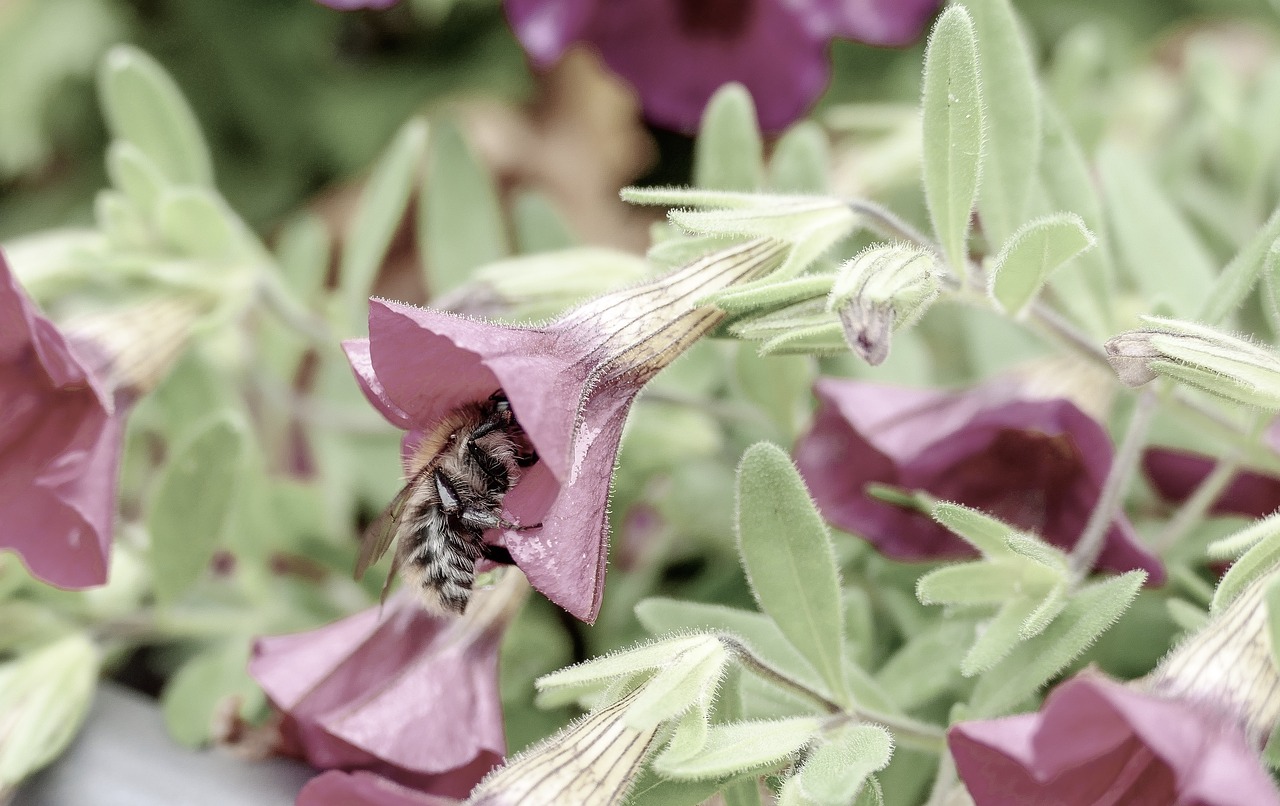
(458, 476)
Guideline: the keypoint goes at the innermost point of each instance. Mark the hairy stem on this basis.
(1091, 541)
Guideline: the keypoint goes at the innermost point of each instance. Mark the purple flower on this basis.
(401, 692)
(60, 433)
(1038, 465)
(352, 5)
(1176, 474)
(676, 53)
(1098, 741)
(570, 384)
(337, 788)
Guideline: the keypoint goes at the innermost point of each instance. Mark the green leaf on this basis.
(538, 224)
(729, 151)
(953, 131)
(135, 175)
(1032, 663)
(743, 746)
(1187, 616)
(983, 582)
(1241, 541)
(772, 296)
(192, 698)
(985, 533)
(778, 385)
(145, 107)
(1160, 250)
(801, 161)
(1262, 556)
(193, 504)
(460, 226)
(600, 672)
(790, 562)
(303, 254)
(1086, 292)
(1240, 275)
(1011, 99)
(197, 222)
(378, 215)
(927, 665)
(686, 680)
(997, 638)
(688, 735)
(651, 789)
(837, 769)
(1034, 252)
(120, 221)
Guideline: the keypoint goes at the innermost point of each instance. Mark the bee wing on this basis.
(377, 538)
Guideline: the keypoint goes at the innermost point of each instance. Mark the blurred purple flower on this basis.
(403, 693)
(337, 788)
(1098, 741)
(352, 5)
(1035, 464)
(1176, 474)
(60, 435)
(570, 384)
(676, 53)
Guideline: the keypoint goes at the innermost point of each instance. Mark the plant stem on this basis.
(1194, 508)
(943, 782)
(1123, 465)
(919, 734)
(888, 224)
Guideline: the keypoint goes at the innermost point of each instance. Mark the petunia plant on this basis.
(857, 426)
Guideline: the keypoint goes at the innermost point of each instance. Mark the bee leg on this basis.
(491, 520)
(497, 554)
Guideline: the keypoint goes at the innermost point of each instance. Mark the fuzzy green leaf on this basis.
(810, 225)
(689, 734)
(1012, 104)
(729, 151)
(193, 503)
(997, 638)
(1239, 542)
(836, 770)
(686, 680)
(772, 296)
(198, 223)
(743, 746)
(1050, 607)
(983, 582)
(985, 533)
(1038, 552)
(1162, 253)
(120, 221)
(192, 697)
(460, 225)
(144, 106)
(1273, 619)
(953, 130)
(789, 559)
(1034, 252)
(927, 664)
(134, 174)
(1240, 275)
(801, 161)
(1033, 663)
(600, 672)
(303, 254)
(1262, 556)
(378, 215)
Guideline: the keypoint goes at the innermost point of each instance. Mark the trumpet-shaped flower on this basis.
(60, 433)
(676, 53)
(1038, 465)
(570, 384)
(1175, 475)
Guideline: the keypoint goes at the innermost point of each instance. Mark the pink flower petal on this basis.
(360, 788)
(1096, 741)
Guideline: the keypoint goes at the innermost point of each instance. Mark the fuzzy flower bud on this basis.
(1200, 356)
(884, 287)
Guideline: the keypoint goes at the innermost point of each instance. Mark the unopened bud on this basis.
(1219, 363)
(883, 288)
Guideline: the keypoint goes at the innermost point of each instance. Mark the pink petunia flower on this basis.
(676, 53)
(570, 384)
(1175, 475)
(404, 693)
(1038, 465)
(360, 788)
(60, 434)
(1188, 734)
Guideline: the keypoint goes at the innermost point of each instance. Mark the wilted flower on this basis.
(1175, 475)
(676, 54)
(60, 436)
(884, 287)
(1038, 465)
(570, 384)
(1187, 734)
(398, 691)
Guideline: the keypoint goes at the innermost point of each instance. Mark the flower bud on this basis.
(1228, 665)
(884, 287)
(1200, 356)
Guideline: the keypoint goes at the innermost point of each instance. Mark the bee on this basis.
(458, 476)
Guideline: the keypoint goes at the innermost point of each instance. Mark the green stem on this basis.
(943, 782)
(1123, 466)
(1193, 510)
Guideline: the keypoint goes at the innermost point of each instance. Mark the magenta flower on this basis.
(403, 693)
(1038, 465)
(676, 53)
(337, 788)
(1097, 741)
(1175, 475)
(352, 5)
(570, 384)
(60, 433)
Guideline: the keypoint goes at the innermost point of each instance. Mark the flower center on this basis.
(714, 19)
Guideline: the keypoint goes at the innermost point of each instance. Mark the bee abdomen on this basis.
(444, 562)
